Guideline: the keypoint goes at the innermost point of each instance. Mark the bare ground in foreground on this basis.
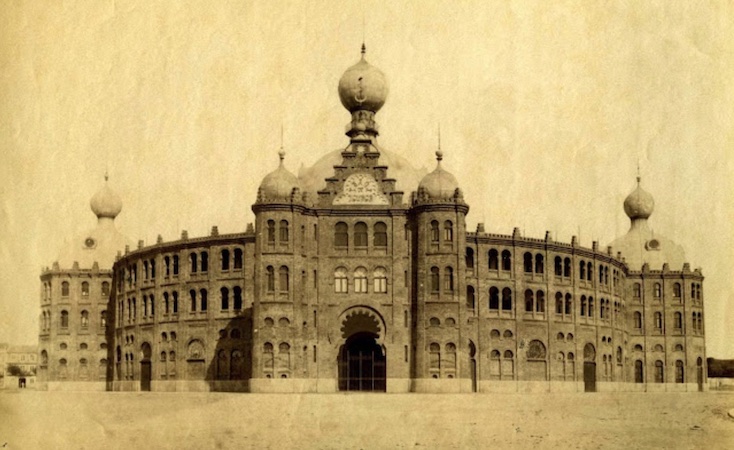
(30, 419)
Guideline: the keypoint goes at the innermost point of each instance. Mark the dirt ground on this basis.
(30, 419)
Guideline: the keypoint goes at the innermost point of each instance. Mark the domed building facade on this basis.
(73, 340)
(344, 283)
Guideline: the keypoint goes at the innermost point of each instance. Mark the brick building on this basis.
(344, 282)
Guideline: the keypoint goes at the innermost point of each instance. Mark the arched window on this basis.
(283, 279)
(589, 270)
(434, 231)
(494, 298)
(152, 305)
(204, 261)
(536, 350)
(679, 371)
(656, 290)
(567, 267)
(85, 289)
(540, 302)
(469, 258)
(528, 262)
(224, 257)
(44, 357)
(175, 264)
(360, 279)
(341, 283)
(435, 280)
(379, 277)
(539, 264)
(237, 298)
(678, 321)
(583, 305)
(470, 297)
(637, 290)
(591, 306)
(64, 319)
(65, 289)
(192, 295)
(559, 303)
(85, 319)
(146, 272)
(448, 231)
(270, 278)
(676, 290)
(283, 231)
(238, 258)
(175, 302)
(165, 303)
(103, 319)
(659, 372)
(506, 260)
(193, 260)
(582, 270)
(380, 237)
(271, 231)
(506, 299)
(434, 359)
(493, 260)
(167, 265)
(341, 235)
(224, 294)
(204, 299)
(638, 320)
(434, 322)
(639, 376)
(105, 289)
(529, 300)
(558, 266)
(152, 268)
(360, 234)
(448, 279)
(659, 321)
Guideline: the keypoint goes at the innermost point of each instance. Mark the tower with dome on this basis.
(74, 295)
(345, 283)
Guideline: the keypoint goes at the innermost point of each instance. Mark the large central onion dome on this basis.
(279, 184)
(439, 184)
(105, 203)
(639, 204)
(363, 87)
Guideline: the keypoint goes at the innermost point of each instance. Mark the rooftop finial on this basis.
(439, 153)
(106, 175)
(364, 49)
(639, 178)
(281, 153)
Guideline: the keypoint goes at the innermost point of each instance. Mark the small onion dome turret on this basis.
(639, 204)
(363, 87)
(279, 183)
(439, 184)
(105, 203)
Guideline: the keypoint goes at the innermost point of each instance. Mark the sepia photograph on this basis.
(366, 224)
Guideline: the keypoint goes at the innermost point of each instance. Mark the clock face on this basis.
(361, 189)
(90, 242)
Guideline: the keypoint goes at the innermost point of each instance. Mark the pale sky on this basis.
(545, 110)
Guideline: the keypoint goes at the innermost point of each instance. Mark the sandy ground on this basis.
(30, 419)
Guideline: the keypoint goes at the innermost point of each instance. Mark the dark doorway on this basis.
(473, 365)
(362, 364)
(589, 377)
(145, 367)
(589, 368)
(145, 375)
(639, 376)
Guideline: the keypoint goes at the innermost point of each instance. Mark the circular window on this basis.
(90, 242)
(62, 346)
(653, 244)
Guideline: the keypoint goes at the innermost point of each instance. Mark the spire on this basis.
(439, 152)
(639, 178)
(106, 176)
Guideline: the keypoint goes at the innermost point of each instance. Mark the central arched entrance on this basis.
(362, 364)
(362, 360)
